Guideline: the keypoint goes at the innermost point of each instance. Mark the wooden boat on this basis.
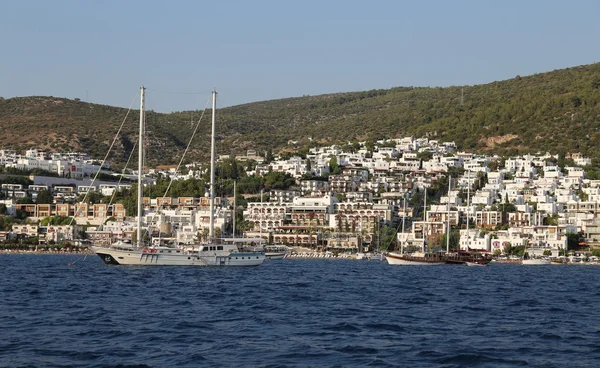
(464, 257)
(416, 259)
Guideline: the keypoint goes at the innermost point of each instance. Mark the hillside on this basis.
(554, 111)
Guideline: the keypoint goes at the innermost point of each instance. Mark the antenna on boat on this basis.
(140, 165)
(211, 230)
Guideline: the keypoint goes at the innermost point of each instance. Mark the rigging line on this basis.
(395, 230)
(77, 260)
(179, 93)
(104, 160)
(180, 162)
(120, 179)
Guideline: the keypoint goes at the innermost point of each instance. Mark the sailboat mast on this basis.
(261, 212)
(211, 230)
(234, 206)
(425, 221)
(403, 220)
(448, 232)
(140, 189)
(468, 207)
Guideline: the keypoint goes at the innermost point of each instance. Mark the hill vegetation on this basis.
(556, 112)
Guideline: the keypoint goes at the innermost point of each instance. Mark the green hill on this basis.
(555, 111)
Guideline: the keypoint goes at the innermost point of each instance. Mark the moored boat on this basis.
(464, 257)
(212, 254)
(376, 257)
(475, 263)
(425, 259)
(535, 262)
(561, 260)
(276, 251)
(204, 255)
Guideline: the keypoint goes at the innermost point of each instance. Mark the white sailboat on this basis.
(535, 262)
(212, 254)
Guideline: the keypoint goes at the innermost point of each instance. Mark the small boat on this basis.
(509, 260)
(377, 257)
(475, 263)
(535, 262)
(276, 251)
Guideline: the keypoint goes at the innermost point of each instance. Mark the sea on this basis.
(74, 311)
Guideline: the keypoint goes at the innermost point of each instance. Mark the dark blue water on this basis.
(296, 313)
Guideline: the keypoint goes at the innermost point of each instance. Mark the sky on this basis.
(102, 51)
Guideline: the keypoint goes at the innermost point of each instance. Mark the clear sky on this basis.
(254, 50)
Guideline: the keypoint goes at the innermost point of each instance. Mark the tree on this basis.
(56, 220)
(44, 197)
(370, 146)
(573, 240)
(551, 220)
(454, 241)
(21, 214)
(334, 168)
(508, 248)
(203, 234)
(269, 156)
(26, 200)
(425, 155)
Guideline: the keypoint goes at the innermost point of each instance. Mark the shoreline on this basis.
(38, 252)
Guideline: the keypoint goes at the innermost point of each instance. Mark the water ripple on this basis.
(295, 313)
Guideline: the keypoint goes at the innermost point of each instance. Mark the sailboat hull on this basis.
(139, 258)
(275, 255)
(535, 262)
(406, 260)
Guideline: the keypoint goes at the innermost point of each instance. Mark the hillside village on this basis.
(351, 199)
